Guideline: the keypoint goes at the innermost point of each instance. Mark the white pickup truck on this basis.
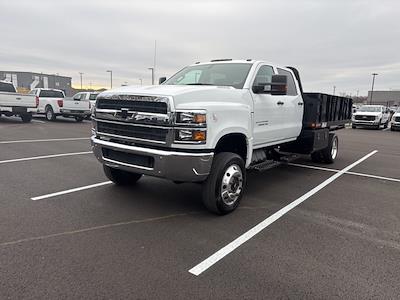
(15, 104)
(371, 116)
(210, 122)
(395, 121)
(52, 103)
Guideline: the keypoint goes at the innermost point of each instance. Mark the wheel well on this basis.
(47, 106)
(234, 142)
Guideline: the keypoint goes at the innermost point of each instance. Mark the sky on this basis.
(332, 42)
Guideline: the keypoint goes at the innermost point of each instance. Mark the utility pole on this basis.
(110, 71)
(152, 75)
(373, 82)
(141, 81)
(80, 73)
(334, 90)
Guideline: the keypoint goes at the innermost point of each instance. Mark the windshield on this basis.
(51, 94)
(370, 109)
(92, 96)
(231, 74)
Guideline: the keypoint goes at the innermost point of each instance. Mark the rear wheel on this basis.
(224, 187)
(26, 118)
(121, 177)
(330, 153)
(353, 126)
(79, 119)
(50, 116)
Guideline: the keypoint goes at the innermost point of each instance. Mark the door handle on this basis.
(280, 103)
(300, 103)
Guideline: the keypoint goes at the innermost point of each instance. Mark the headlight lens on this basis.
(199, 118)
(191, 135)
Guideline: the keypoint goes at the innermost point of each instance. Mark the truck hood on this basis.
(367, 113)
(163, 90)
(187, 96)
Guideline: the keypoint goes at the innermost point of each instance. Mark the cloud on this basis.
(331, 42)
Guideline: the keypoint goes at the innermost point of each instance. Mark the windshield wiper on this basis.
(198, 83)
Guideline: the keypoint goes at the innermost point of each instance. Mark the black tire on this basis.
(353, 126)
(26, 118)
(50, 116)
(379, 125)
(317, 157)
(386, 124)
(392, 129)
(213, 187)
(121, 177)
(78, 119)
(329, 154)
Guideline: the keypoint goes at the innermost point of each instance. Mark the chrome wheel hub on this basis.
(334, 150)
(232, 184)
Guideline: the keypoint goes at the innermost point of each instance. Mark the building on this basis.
(388, 98)
(26, 81)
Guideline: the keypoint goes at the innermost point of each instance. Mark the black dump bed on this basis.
(326, 111)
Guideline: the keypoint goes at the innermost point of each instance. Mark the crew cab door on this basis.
(293, 107)
(268, 110)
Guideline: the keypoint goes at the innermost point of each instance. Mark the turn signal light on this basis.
(199, 135)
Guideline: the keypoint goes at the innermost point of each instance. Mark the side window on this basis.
(264, 75)
(77, 97)
(291, 89)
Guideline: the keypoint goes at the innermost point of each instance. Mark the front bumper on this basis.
(395, 125)
(177, 166)
(365, 123)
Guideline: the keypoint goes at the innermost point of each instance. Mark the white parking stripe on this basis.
(210, 261)
(43, 157)
(349, 173)
(44, 140)
(38, 121)
(86, 187)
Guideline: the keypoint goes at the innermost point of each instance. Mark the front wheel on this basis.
(224, 187)
(121, 177)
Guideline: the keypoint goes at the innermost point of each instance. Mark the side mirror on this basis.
(161, 80)
(277, 86)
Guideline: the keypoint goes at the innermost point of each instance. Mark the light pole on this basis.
(152, 75)
(80, 73)
(110, 71)
(334, 89)
(141, 81)
(373, 82)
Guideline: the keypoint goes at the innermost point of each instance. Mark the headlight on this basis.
(191, 136)
(199, 118)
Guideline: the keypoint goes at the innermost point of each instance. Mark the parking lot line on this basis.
(44, 140)
(217, 256)
(348, 173)
(71, 190)
(43, 157)
(38, 121)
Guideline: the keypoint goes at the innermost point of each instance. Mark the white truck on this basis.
(395, 121)
(210, 122)
(52, 103)
(16, 104)
(371, 116)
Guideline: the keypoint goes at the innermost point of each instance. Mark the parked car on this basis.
(52, 103)
(371, 116)
(395, 121)
(16, 104)
(210, 122)
(88, 96)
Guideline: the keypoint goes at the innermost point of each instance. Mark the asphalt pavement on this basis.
(109, 242)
